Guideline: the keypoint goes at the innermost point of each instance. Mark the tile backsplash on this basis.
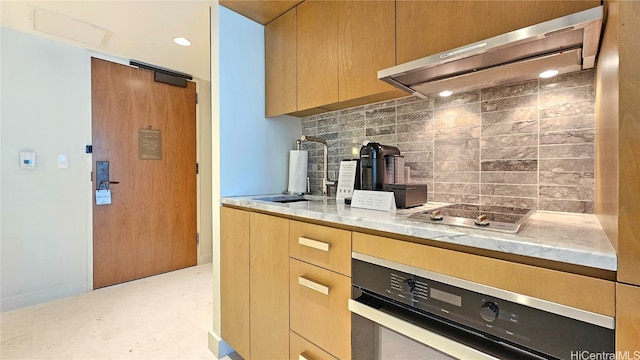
(529, 144)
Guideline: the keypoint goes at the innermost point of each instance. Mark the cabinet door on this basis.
(234, 279)
(505, 16)
(628, 320)
(317, 54)
(280, 65)
(269, 286)
(366, 44)
(429, 27)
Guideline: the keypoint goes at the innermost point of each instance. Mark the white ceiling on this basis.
(138, 30)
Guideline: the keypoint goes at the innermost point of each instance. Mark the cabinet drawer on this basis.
(301, 349)
(318, 307)
(321, 245)
(582, 292)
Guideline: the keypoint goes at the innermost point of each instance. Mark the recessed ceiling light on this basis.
(548, 74)
(446, 93)
(181, 41)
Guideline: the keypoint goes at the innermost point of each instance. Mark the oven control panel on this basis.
(460, 305)
(516, 323)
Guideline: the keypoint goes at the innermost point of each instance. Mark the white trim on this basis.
(217, 346)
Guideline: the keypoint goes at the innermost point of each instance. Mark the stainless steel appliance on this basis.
(408, 195)
(566, 44)
(402, 312)
(394, 167)
(489, 217)
(373, 166)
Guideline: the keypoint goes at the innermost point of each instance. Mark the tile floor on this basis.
(167, 316)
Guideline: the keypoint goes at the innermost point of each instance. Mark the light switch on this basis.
(63, 161)
(28, 160)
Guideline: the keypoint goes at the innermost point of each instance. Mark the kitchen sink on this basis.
(283, 199)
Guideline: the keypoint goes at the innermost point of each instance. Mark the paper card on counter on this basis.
(374, 200)
(346, 180)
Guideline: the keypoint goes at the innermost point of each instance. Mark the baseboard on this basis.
(218, 347)
(41, 296)
(205, 259)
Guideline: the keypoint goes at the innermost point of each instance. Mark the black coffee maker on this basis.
(372, 165)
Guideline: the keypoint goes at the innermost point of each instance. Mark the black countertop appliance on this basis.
(372, 165)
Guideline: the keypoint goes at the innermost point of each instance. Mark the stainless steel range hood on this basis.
(566, 44)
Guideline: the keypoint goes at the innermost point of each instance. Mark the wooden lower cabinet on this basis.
(285, 285)
(320, 286)
(319, 309)
(301, 349)
(628, 321)
(269, 288)
(234, 279)
(255, 283)
(323, 246)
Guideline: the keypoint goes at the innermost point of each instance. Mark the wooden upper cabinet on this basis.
(260, 11)
(317, 57)
(366, 44)
(428, 27)
(280, 65)
(331, 60)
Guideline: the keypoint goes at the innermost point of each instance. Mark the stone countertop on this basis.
(565, 237)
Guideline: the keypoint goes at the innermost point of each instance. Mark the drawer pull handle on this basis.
(304, 357)
(313, 285)
(313, 243)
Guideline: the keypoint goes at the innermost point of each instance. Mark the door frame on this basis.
(204, 225)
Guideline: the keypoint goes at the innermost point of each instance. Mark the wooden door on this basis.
(150, 226)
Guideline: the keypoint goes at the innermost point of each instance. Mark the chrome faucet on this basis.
(325, 166)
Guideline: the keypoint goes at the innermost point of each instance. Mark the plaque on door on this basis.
(149, 144)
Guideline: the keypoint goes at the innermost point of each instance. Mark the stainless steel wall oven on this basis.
(402, 312)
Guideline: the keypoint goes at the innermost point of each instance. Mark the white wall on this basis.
(46, 108)
(204, 178)
(45, 225)
(250, 151)
(253, 149)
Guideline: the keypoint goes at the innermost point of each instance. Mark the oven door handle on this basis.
(424, 336)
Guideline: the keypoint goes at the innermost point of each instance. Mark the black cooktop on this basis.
(490, 217)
